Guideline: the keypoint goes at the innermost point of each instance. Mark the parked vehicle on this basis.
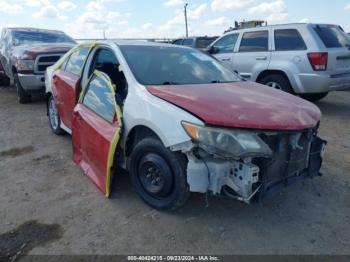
(195, 42)
(185, 123)
(309, 60)
(25, 53)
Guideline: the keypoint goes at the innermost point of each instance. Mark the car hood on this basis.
(241, 105)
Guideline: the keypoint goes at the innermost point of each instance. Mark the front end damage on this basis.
(292, 156)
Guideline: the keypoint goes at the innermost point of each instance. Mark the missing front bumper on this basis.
(315, 159)
(256, 179)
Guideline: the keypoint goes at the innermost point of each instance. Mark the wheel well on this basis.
(265, 73)
(47, 97)
(137, 134)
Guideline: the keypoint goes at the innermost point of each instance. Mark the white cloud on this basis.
(197, 12)
(229, 5)
(10, 8)
(122, 23)
(48, 11)
(146, 26)
(172, 3)
(36, 3)
(66, 6)
(305, 20)
(276, 11)
(221, 21)
(347, 7)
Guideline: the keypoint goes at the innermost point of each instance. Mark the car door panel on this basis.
(94, 143)
(66, 89)
(91, 147)
(253, 53)
(67, 84)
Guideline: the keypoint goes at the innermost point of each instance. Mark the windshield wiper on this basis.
(222, 82)
(168, 83)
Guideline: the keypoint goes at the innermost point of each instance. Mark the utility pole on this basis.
(186, 5)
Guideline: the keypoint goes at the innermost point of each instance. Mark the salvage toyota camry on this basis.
(179, 122)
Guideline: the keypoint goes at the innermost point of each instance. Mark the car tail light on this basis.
(318, 61)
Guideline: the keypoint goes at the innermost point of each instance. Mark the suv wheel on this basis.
(314, 97)
(278, 82)
(158, 175)
(54, 117)
(22, 96)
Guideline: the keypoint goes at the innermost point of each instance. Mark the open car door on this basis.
(96, 129)
(66, 82)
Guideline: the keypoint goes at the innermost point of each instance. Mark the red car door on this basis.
(66, 83)
(66, 95)
(95, 131)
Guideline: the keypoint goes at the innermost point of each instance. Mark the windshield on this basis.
(164, 65)
(24, 37)
(332, 36)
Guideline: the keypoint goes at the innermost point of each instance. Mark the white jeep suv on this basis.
(309, 60)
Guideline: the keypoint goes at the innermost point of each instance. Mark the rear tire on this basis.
(159, 175)
(54, 117)
(277, 81)
(314, 97)
(22, 96)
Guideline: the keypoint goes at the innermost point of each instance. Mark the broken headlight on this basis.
(228, 143)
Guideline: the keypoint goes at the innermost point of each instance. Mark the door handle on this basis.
(226, 59)
(261, 58)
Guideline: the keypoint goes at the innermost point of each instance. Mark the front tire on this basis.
(278, 81)
(159, 175)
(54, 117)
(22, 96)
(314, 97)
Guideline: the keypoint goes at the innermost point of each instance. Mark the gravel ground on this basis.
(43, 191)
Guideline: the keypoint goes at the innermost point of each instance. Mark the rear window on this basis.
(178, 42)
(188, 42)
(255, 42)
(331, 36)
(289, 40)
(205, 42)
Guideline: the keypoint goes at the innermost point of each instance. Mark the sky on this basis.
(164, 18)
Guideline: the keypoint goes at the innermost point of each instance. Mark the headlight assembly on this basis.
(25, 65)
(228, 143)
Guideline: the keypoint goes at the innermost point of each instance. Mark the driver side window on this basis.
(106, 61)
(226, 44)
(99, 98)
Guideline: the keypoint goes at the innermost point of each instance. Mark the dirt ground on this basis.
(42, 190)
